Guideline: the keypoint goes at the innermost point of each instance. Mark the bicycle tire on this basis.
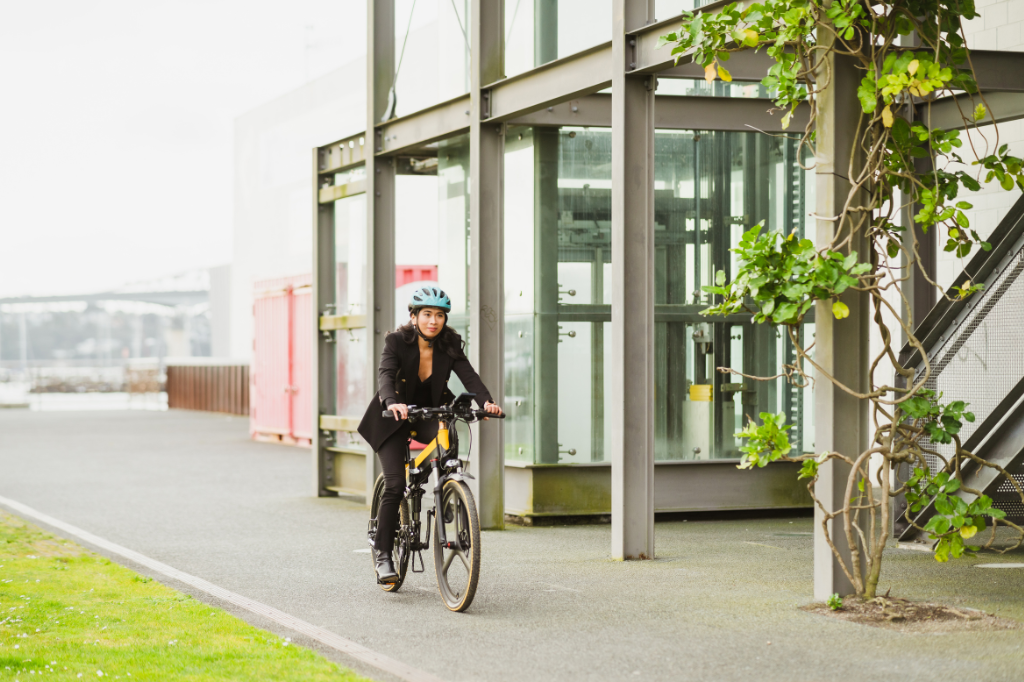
(399, 552)
(462, 523)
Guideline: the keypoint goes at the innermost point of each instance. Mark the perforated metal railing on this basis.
(979, 358)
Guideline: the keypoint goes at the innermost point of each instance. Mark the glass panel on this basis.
(540, 31)
(435, 66)
(432, 230)
(350, 295)
(453, 226)
(700, 88)
(519, 294)
(709, 188)
(583, 279)
(665, 9)
(416, 237)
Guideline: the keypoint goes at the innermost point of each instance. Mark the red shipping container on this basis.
(414, 273)
(281, 378)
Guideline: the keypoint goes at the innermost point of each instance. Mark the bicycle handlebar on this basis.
(416, 413)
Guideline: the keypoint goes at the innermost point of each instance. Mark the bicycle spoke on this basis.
(448, 562)
(462, 555)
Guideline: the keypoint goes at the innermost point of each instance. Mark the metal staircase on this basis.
(976, 349)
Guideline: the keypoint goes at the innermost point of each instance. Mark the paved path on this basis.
(190, 490)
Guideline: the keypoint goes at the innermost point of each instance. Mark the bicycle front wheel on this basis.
(457, 568)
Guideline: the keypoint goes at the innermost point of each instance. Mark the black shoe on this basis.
(385, 568)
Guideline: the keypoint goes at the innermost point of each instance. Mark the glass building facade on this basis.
(536, 123)
(710, 187)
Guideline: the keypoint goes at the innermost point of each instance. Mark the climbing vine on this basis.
(899, 165)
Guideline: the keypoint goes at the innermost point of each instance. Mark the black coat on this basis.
(399, 377)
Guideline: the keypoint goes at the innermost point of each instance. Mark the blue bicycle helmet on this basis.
(430, 297)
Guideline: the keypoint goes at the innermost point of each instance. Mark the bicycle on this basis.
(459, 534)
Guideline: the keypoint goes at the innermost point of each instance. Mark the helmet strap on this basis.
(430, 342)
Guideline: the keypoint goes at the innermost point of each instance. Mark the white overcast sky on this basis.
(116, 127)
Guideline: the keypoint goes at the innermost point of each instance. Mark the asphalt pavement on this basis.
(191, 490)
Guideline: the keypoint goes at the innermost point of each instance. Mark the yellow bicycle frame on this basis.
(441, 441)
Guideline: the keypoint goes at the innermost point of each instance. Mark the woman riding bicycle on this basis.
(415, 366)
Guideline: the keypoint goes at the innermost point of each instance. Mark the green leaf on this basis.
(840, 310)
(665, 40)
(809, 469)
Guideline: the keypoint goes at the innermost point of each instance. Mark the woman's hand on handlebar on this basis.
(491, 408)
(400, 411)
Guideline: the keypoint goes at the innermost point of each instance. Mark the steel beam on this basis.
(335, 322)
(342, 155)
(332, 422)
(487, 249)
(673, 113)
(645, 57)
(331, 193)
(323, 391)
(841, 347)
(746, 66)
(946, 113)
(998, 71)
(380, 200)
(591, 70)
(423, 127)
(631, 399)
(564, 79)
(724, 113)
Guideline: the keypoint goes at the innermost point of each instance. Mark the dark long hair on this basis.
(447, 340)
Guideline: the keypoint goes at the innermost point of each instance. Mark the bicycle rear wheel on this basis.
(457, 569)
(400, 551)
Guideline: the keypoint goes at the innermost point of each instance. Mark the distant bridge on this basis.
(167, 298)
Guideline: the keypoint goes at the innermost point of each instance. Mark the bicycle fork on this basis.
(438, 510)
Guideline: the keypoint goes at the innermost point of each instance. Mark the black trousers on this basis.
(392, 455)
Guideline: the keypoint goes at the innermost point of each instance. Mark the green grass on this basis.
(68, 614)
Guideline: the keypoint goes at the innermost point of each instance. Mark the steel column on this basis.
(380, 198)
(841, 348)
(545, 31)
(631, 403)
(323, 391)
(545, 291)
(486, 269)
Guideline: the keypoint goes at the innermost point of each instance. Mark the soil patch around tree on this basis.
(902, 615)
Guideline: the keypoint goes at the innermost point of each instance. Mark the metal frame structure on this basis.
(561, 92)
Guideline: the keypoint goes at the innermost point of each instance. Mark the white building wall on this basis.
(1000, 27)
(273, 221)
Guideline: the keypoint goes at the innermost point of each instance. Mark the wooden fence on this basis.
(213, 388)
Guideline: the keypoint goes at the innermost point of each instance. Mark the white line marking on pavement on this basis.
(321, 635)
(361, 551)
